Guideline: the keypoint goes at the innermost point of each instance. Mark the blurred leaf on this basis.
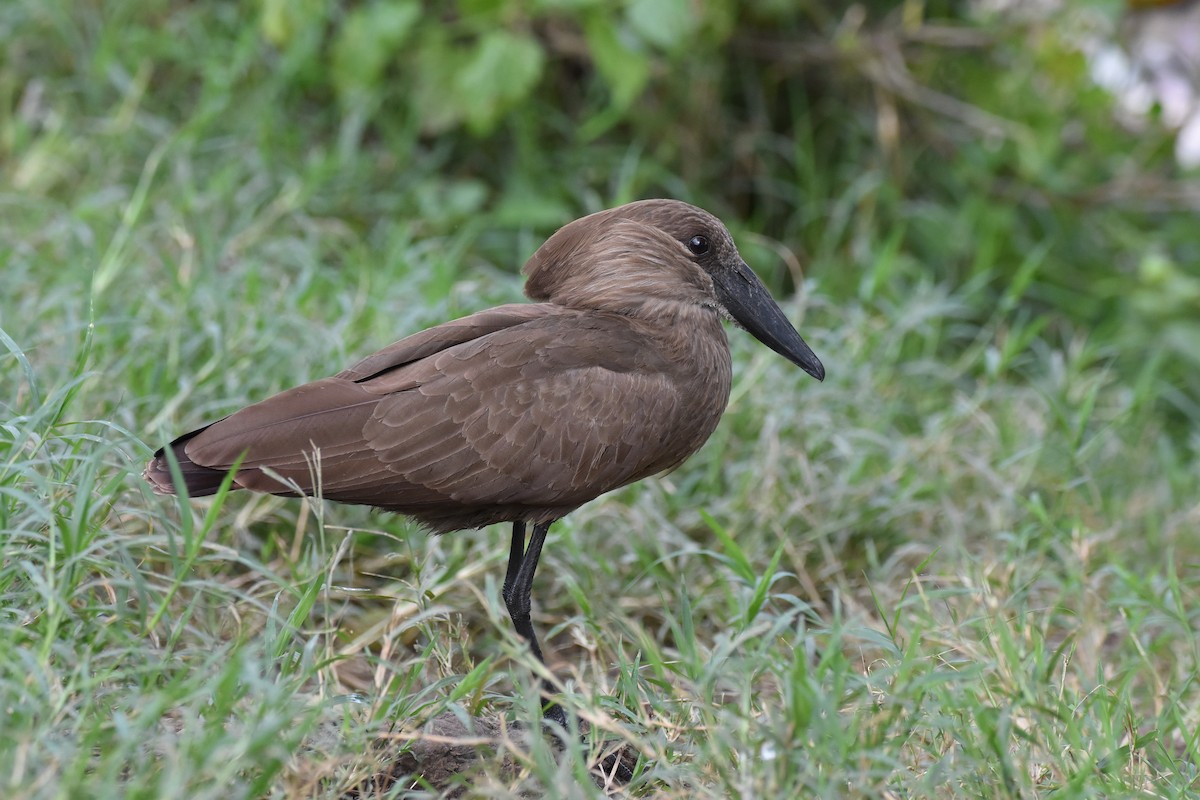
(433, 95)
(281, 21)
(623, 68)
(503, 69)
(664, 23)
(370, 36)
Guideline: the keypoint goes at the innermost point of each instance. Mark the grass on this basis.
(965, 565)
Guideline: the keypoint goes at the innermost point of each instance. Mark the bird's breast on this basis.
(701, 377)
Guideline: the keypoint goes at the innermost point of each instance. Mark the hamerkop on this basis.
(619, 370)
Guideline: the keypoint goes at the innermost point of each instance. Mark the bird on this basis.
(619, 369)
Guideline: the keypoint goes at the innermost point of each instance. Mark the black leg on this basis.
(518, 589)
(516, 554)
(517, 592)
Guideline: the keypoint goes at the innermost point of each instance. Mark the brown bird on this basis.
(520, 413)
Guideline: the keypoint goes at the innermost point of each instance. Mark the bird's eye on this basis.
(698, 245)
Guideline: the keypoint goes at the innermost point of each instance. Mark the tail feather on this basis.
(198, 480)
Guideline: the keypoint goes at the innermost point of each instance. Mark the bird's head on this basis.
(658, 254)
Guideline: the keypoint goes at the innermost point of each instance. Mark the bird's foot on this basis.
(552, 712)
(615, 767)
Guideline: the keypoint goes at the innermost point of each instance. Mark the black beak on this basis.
(749, 302)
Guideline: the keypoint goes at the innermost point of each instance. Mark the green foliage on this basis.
(965, 565)
(469, 65)
(368, 39)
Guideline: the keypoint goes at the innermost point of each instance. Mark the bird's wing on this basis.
(282, 431)
(434, 340)
(552, 413)
(325, 418)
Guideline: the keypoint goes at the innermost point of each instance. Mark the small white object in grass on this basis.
(1155, 64)
(1110, 68)
(767, 752)
(1187, 142)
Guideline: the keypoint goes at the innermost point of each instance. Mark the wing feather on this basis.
(437, 339)
(525, 417)
(527, 406)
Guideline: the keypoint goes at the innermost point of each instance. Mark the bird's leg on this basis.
(518, 588)
(518, 582)
(516, 554)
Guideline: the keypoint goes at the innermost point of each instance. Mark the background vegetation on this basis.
(965, 565)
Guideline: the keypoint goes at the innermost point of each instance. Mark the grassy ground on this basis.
(965, 565)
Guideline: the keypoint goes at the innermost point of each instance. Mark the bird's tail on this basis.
(199, 481)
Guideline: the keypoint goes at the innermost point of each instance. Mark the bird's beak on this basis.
(751, 305)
